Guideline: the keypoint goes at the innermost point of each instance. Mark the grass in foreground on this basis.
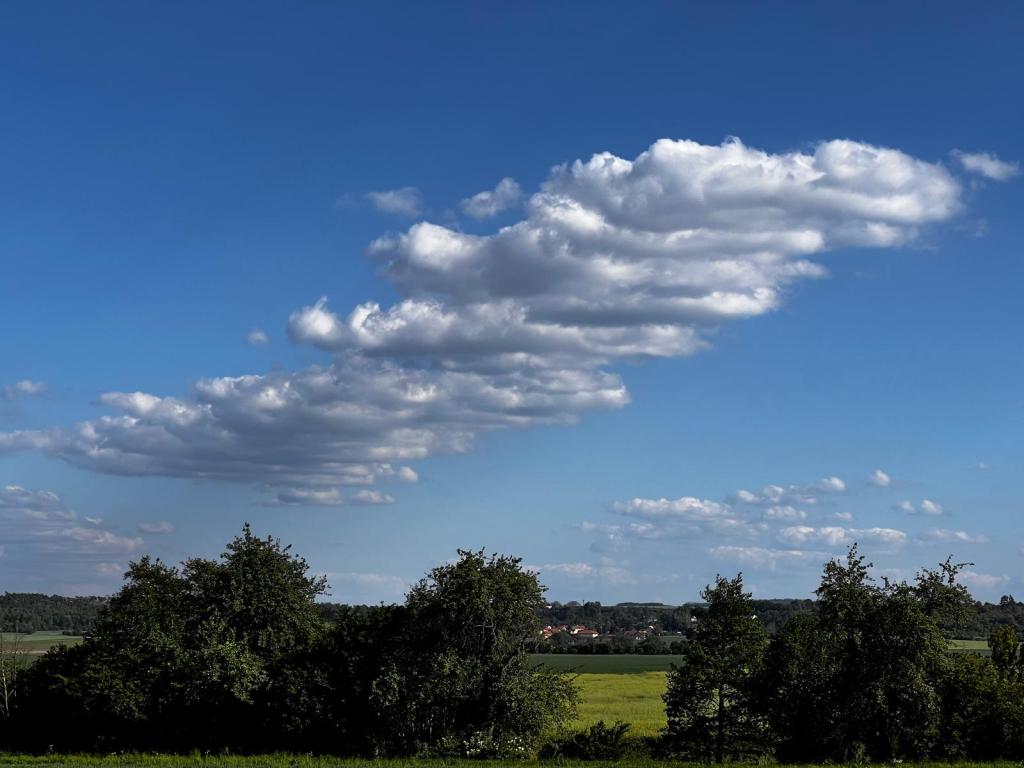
(305, 761)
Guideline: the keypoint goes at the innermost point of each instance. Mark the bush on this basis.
(598, 742)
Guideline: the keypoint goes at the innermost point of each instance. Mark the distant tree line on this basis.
(613, 619)
(26, 612)
(232, 654)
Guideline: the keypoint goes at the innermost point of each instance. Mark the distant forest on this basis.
(28, 612)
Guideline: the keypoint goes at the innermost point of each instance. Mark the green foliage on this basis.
(180, 658)
(866, 676)
(232, 654)
(709, 702)
(460, 674)
(598, 742)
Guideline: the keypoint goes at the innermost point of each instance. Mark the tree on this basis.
(460, 680)
(1004, 643)
(710, 695)
(183, 658)
(864, 679)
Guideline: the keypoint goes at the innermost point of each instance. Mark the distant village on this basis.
(649, 639)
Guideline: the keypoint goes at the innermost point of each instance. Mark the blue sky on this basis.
(685, 354)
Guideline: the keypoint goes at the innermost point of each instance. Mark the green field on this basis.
(633, 699)
(617, 687)
(970, 646)
(36, 643)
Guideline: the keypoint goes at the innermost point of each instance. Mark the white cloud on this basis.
(317, 497)
(953, 537)
(615, 260)
(41, 534)
(613, 574)
(110, 569)
(926, 507)
(683, 508)
(832, 484)
(16, 498)
(158, 527)
(404, 202)
(785, 513)
(839, 536)
(774, 495)
(372, 497)
(489, 203)
(987, 165)
(983, 581)
(23, 388)
(880, 479)
(256, 337)
(766, 557)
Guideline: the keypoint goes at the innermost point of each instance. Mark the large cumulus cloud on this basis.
(615, 260)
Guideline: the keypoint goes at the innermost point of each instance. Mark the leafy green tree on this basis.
(970, 726)
(460, 680)
(709, 702)
(184, 658)
(864, 679)
(794, 692)
(1004, 643)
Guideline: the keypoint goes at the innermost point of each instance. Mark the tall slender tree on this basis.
(709, 701)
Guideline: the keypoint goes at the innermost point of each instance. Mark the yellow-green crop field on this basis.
(618, 687)
(634, 698)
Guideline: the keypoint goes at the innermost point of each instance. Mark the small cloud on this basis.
(23, 388)
(93, 520)
(110, 569)
(372, 497)
(953, 537)
(158, 527)
(408, 475)
(785, 512)
(317, 497)
(983, 580)
(489, 203)
(831, 484)
(257, 337)
(880, 479)
(926, 507)
(766, 557)
(986, 164)
(403, 202)
(613, 574)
